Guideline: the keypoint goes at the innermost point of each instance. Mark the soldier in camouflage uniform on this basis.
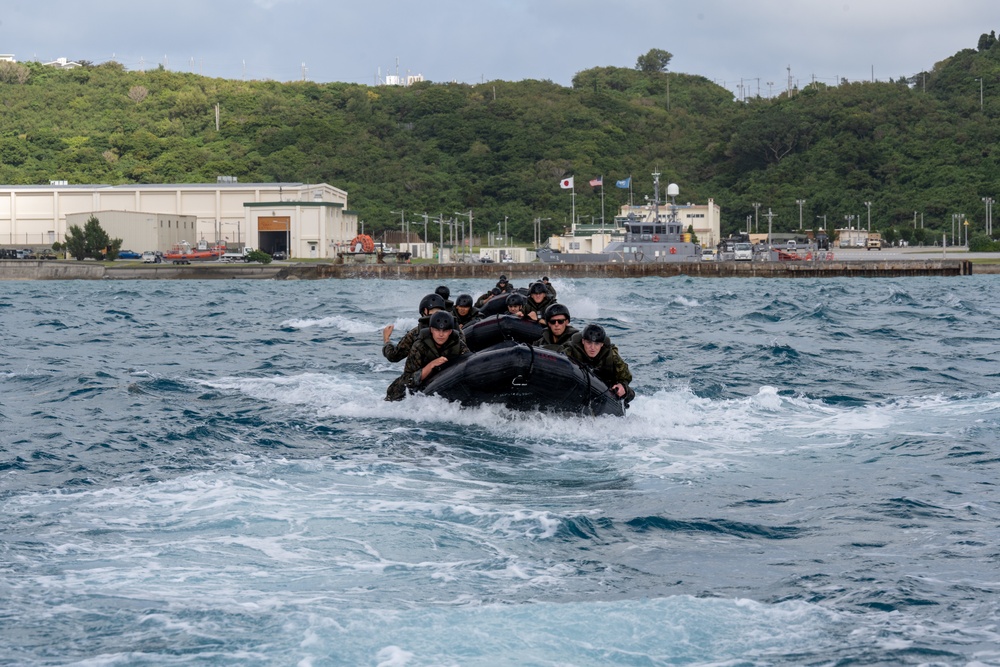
(464, 312)
(592, 349)
(548, 287)
(437, 344)
(428, 305)
(538, 300)
(558, 331)
(445, 294)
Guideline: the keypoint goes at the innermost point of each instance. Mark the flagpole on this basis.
(573, 209)
(630, 192)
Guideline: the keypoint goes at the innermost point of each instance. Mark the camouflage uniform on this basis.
(532, 307)
(461, 320)
(423, 352)
(550, 343)
(608, 365)
(399, 351)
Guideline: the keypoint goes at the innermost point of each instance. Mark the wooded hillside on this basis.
(923, 143)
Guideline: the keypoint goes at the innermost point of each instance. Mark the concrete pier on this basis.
(73, 270)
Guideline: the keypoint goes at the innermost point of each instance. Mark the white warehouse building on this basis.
(305, 220)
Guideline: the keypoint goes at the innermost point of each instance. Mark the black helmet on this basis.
(503, 279)
(545, 279)
(555, 310)
(463, 301)
(442, 320)
(431, 302)
(516, 299)
(443, 291)
(594, 333)
(537, 288)
(495, 291)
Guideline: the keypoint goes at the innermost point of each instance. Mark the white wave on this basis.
(348, 324)
(685, 301)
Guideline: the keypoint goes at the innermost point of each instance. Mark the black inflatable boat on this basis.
(524, 378)
(494, 329)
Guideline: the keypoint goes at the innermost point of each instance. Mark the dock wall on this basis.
(72, 270)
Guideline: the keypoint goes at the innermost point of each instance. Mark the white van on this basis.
(743, 252)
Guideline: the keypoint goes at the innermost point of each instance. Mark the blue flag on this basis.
(624, 184)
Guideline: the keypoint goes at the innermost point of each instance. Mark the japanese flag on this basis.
(566, 183)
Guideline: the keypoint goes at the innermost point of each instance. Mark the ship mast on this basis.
(656, 197)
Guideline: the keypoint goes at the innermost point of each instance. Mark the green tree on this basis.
(258, 256)
(76, 243)
(654, 60)
(91, 241)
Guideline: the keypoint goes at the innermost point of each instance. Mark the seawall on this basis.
(73, 270)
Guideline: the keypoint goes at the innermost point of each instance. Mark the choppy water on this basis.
(205, 473)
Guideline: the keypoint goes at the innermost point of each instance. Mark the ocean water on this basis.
(205, 473)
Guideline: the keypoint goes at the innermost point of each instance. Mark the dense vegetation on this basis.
(921, 145)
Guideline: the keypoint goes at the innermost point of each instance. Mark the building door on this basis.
(273, 233)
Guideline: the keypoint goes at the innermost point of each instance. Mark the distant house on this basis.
(62, 63)
(7, 57)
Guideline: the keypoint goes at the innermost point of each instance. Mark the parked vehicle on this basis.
(743, 252)
(708, 255)
(874, 242)
(242, 256)
(150, 257)
(129, 254)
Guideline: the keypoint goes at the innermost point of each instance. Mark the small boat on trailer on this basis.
(183, 253)
(522, 377)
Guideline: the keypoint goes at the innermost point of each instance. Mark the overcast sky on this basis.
(480, 40)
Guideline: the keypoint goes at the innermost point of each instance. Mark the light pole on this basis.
(749, 221)
(869, 205)
(966, 223)
(800, 202)
(402, 227)
(469, 216)
(770, 216)
(756, 217)
(538, 231)
(989, 215)
(980, 80)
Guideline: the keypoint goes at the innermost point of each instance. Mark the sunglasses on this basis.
(561, 320)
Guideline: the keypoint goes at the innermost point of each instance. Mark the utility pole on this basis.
(440, 222)
(989, 215)
(869, 205)
(756, 217)
(800, 202)
(469, 216)
(402, 226)
(770, 216)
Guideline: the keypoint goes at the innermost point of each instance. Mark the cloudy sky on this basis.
(760, 42)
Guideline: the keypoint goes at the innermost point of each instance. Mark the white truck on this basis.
(743, 252)
(242, 256)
